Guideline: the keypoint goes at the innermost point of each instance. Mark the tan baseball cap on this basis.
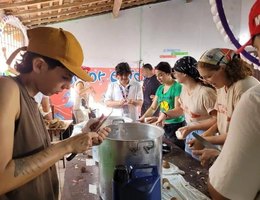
(60, 45)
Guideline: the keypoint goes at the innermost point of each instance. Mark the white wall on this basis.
(143, 33)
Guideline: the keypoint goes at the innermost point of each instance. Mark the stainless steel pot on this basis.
(109, 121)
(128, 144)
(116, 120)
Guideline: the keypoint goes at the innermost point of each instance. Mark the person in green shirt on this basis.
(166, 98)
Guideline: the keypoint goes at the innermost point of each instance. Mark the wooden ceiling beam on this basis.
(53, 8)
(73, 10)
(53, 20)
(23, 4)
(108, 7)
(116, 7)
(69, 12)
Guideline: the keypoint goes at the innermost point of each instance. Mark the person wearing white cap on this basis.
(27, 167)
(235, 173)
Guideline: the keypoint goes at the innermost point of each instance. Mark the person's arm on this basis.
(138, 102)
(79, 87)
(109, 102)
(16, 172)
(86, 90)
(176, 112)
(217, 139)
(212, 130)
(215, 195)
(151, 110)
(202, 125)
(206, 156)
(115, 104)
(195, 144)
(46, 108)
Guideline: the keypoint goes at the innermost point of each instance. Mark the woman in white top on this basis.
(231, 76)
(196, 99)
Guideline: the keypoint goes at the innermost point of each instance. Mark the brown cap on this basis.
(60, 45)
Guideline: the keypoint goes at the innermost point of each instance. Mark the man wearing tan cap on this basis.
(235, 173)
(27, 159)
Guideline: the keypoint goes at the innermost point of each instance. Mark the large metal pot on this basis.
(116, 120)
(128, 144)
(109, 121)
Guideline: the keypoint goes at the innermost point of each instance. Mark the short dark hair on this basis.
(148, 66)
(123, 68)
(25, 66)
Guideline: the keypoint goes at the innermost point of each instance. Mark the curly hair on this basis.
(236, 69)
(25, 64)
(123, 68)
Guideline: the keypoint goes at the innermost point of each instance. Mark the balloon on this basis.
(212, 2)
(214, 10)
(226, 39)
(223, 32)
(216, 19)
(219, 25)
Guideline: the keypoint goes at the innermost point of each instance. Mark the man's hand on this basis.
(92, 124)
(81, 142)
(101, 135)
(91, 128)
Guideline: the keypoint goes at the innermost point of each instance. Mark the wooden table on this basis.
(78, 176)
(195, 174)
(60, 130)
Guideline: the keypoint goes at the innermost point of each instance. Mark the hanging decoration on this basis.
(225, 29)
(10, 19)
(12, 36)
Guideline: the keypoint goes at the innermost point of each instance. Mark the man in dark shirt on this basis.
(150, 86)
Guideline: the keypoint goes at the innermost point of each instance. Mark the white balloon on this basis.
(219, 25)
(212, 2)
(214, 10)
(223, 32)
(216, 18)
(226, 39)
